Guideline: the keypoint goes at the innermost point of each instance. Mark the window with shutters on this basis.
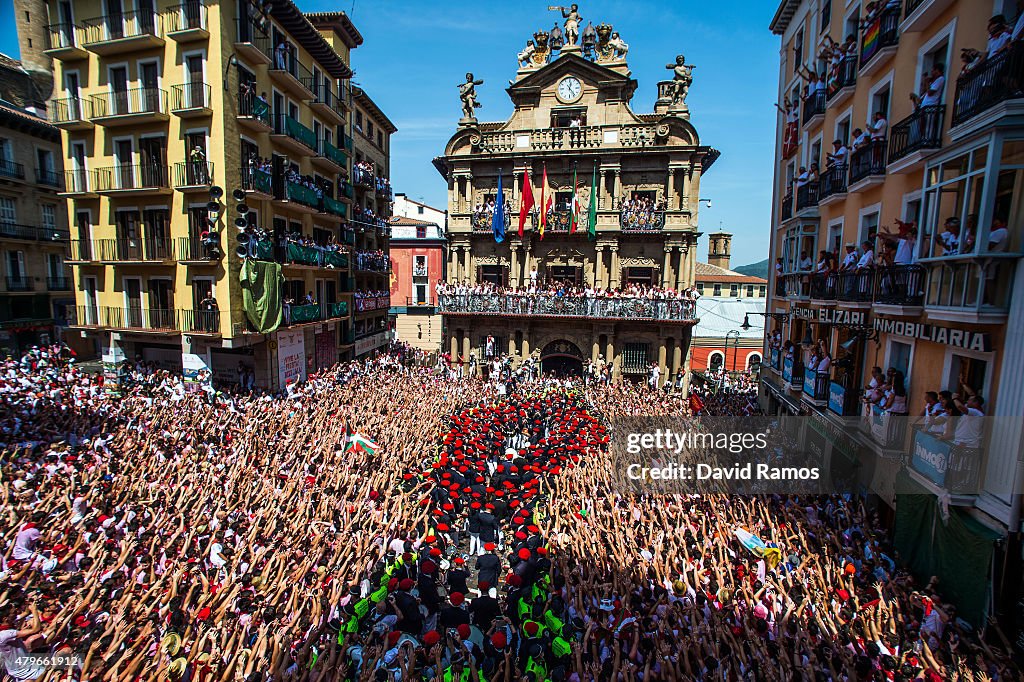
(8, 210)
(734, 290)
(636, 358)
(717, 290)
(49, 213)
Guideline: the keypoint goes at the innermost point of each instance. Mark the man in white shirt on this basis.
(867, 259)
(998, 236)
(936, 85)
(805, 264)
(12, 650)
(999, 36)
(879, 127)
(850, 259)
(949, 239)
(970, 427)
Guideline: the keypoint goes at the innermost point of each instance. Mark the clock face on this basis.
(570, 89)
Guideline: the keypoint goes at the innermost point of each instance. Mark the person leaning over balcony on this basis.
(932, 92)
(878, 127)
(867, 258)
(874, 391)
(904, 243)
(850, 259)
(999, 36)
(949, 239)
(861, 139)
(998, 236)
(805, 264)
(838, 155)
(970, 59)
(970, 427)
(813, 175)
(802, 178)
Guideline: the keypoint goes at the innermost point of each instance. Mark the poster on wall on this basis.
(326, 345)
(112, 359)
(195, 372)
(291, 357)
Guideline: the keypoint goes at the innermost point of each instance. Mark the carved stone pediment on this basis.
(638, 261)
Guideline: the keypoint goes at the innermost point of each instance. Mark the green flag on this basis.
(574, 207)
(592, 211)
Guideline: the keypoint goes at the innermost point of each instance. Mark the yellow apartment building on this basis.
(207, 144)
(906, 163)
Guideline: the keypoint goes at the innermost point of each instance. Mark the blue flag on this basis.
(498, 226)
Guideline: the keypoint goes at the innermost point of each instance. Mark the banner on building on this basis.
(291, 357)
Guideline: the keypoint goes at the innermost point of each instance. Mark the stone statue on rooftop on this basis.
(526, 56)
(682, 79)
(467, 93)
(572, 18)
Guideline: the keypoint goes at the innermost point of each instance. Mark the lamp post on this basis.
(732, 334)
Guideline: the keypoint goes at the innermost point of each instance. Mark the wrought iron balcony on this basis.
(58, 283)
(129, 107)
(920, 131)
(20, 283)
(196, 250)
(252, 42)
(293, 135)
(253, 111)
(257, 181)
(65, 42)
(71, 113)
(12, 230)
(880, 34)
(193, 175)
(12, 169)
(787, 207)
(334, 207)
(289, 73)
(50, 178)
(122, 32)
(833, 181)
(816, 385)
(807, 196)
(549, 305)
(857, 286)
(326, 101)
(814, 105)
(901, 285)
(191, 99)
(643, 221)
(868, 161)
(186, 22)
(845, 77)
(996, 80)
(133, 250)
(80, 251)
(300, 194)
(132, 178)
(823, 286)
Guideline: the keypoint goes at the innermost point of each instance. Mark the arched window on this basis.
(715, 361)
(753, 360)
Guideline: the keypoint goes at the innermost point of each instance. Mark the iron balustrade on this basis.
(970, 284)
(419, 271)
(558, 221)
(363, 178)
(286, 125)
(867, 161)
(195, 249)
(79, 250)
(995, 80)
(324, 96)
(134, 249)
(251, 105)
(675, 310)
(787, 206)
(857, 286)
(256, 180)
(332, 153)
(301, 314)
(814, 105)
(845, 75)
(193, 95)
(131, 102)
(300, 194)
(63, 35)
(887, 430)
(12, 230)
(650, 221)
(193, 173)
(58, 283)
(70, 110)
(900, 285)
(188, 16)
(119, 26)
(797, 284)
(129, 176)
(80, 181)
(199, 321)
(138, 317)
(921, 130)
(49, 177)
(12, 169)
(19, 283)
(816, 384)
(807, 196)
(823, 286)
(346, 190)
(881, 33)
(833, 181)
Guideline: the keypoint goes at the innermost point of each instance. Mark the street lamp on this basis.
(778, 317)
(706, 202)
(732, 334)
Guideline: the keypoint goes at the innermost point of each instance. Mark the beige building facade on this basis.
(573, 120)
(929, 205)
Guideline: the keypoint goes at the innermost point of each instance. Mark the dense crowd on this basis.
(377, 261)
(640, 212)
(389, 521)
(368, 217)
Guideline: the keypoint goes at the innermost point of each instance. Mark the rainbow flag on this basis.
(870, 43)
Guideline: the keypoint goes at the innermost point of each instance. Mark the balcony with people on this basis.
(363, 176)
(869, 154)
(806, 188)
(257, 178)
(879, 34)
(122, 32)
(843, 64)
(194, 175)
(288, 73)
(372, 261)
(989, 80)
(834, 178)
(817, 375)
(365, 219)
(920, 133)
(642, 213)
(253, 109)
(564, 300)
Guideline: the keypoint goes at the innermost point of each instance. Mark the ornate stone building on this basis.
(573, 118)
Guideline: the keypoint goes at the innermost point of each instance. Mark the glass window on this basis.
(8, 212)
(717, 290)
(750, 291)
(49, 213)
(700, 288)
(734, 290)
(1013, 153)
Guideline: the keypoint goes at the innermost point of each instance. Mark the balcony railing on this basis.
(900, 285)
(796, 284)
(190, 15)
(301, 194)
(301, 314)
(649, 221)
(823, 286)
(332, 153)
(856, 286)
(49, 177)
(816, 385)
(80, 250)
(71, 110)
(190, 96)
(80, 181)
(11, 169)
(131, 177)
(868, 161)
(251, 105)
(136, 317)
(338, 309)
(324, 97)
(255, 41)
(335, 207)
(133, 249)
(919, 131)
(911, 7)
(121, 26)
(793, 372)
(787, 206)
(845, 75)
(363, 178)
(194, 249)
(315, 256)
(970, 285)
(547, 305)
(288, 62)
(133, 102)
(584, 137)
(256, 180)
(199, 321)
(995, 80)
(881, 33)
(11, 230)
(286, 125)
(814, 105)
(63, 36)
(807, 196)
(58, 283)
(193, 174)
(19, 283)
(955, 468)
(887, 430)
(558, 221)
(833, 181)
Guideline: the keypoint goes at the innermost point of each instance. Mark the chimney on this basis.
(719, 248)
(31, 18)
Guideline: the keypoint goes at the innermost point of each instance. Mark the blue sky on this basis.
(415, 53)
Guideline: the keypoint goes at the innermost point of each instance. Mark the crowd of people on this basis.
(377, 261)
(483, 214)
(368, 217)
(386, 520)
(377, 298)
(639, 212)
(566, 298)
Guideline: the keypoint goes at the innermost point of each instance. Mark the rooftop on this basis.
(303, 30)
(719, 316)
(340, 23)
(705, 272)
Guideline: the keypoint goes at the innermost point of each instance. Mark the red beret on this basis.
(498, 640)
(431, 638)
(524, 554)
(463, 630)
(393, 584)
(435, 551)
(393, 638)
(514, 580)
(459, 561)
(443, 527)
(428, 567)
(406, 584)
(457, 598)
(489, 546)
(428, 539)
(484, 585)
(531, 628)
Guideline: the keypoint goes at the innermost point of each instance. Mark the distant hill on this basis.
(754, 269)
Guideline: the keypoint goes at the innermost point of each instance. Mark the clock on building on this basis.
(569, 89)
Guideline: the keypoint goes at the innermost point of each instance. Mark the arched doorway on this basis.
(716, 361)
(562, 357)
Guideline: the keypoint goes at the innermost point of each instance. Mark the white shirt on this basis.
(934, 94)
(824, 364)
(904, 252)
(969, 428)
(878, 129)
(998, 42)
(11, 649)
(850, 260)
(867, 259)
(998, 239)
(215, 555)
(806, 264)
(950, 243)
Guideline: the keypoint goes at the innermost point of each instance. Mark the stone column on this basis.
(666, 275)
(526, 344)
(454, 346)
(677, 358)
(513, 274)
(671, 198)
(467, 348)
(617, 192)
(512, 344)
(681, 261)
(603, 194)
(616, 271)
(471, 265)
(596, 350)
(662, 359)
(685, 201)
(609, 350)
(469, 192)
(688, 268)
(516, 175)
(597, 265)
(695, 187)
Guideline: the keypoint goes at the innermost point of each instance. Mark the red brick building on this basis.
(417, 264)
